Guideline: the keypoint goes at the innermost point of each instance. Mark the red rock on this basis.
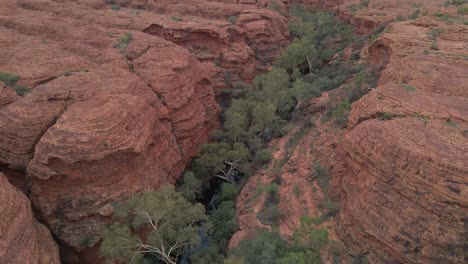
(404, 185)
(22, 238)
(7, 95)
(100, 123)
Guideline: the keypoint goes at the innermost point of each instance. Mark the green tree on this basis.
(191, 187)
(229, 191)
(221, 159)
(173, 222)
(301, 51)
(263, 116)
(265, 248)
(303, 91)
(235, 124)
(271, 84)
(224, 221)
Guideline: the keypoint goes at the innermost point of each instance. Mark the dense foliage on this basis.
(173, 223)
(312, 64)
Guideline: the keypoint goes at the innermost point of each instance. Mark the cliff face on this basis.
(116, 106)
(405, 188)
(241, 39)
(400, 168)
(24, 240)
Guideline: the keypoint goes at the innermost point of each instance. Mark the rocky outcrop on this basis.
(404, 185)
(7, 95)
(22, 238)
(240, 39)
(122, 96)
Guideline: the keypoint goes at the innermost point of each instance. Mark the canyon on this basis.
(122, 93)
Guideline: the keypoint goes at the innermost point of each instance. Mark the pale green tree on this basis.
(172, 221)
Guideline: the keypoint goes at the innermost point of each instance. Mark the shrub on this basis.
(462, 10)
(229, 191)
(123, 41)
(8, 78)
(414, 15)
(177, 18)
(219, 59)
(386, 116)
(322, 176)
(331, 207)
(232, 19)
(408, 87)
(21, 90)
(340, 114)
(264, 156)
(365, 3)
(224, 221)
(277, 172)
(272, 193)
(265, 248)
(269, 214)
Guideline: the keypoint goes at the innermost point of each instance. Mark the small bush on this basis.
(115, 7)
(414, 15)
(219, 59)
(123, 41)
(322, 176)
(269, 214)
(408, 87)
(177, 18)
(232, 19)
(426, 52)
(365, 3)
(21, 90)
(277, 172)
(272, 193)
(387, 116)
(264, 156)
(462, 10)
(297, 191)
(332, 208)
(67, 73)
(8, 78)
(340, 113)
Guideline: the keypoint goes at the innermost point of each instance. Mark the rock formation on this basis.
(405, 188)
(23, 239)
(121, 96)
(400, 168)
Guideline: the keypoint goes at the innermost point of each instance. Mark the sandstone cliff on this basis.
(122, 94)
(399, 170)
(405, 182)
(23, 239)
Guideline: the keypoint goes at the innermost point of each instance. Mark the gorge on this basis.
(100, 100)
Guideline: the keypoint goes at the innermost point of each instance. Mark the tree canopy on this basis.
(174, 225)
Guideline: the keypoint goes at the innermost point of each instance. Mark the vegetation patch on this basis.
(408, 87)
(123, 41)
(8, 78)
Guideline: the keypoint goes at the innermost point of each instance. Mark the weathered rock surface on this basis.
(400, 169)
(404, 185)
(22, 238)
(121, 99)
(241, 39)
